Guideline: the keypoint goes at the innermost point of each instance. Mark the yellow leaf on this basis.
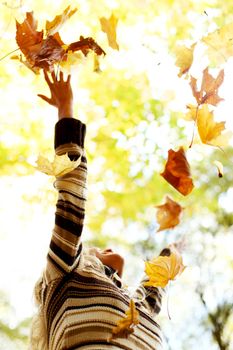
(125, 326)
(109, 27)
(168, 214)
(208, 129)
(55, 25)
(162, 269)
(184, 58)
(219, 44)
(60, 166)
(191, 114)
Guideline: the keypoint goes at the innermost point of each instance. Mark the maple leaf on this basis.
(184, 58)
(177, 172)
(163, 269)
(125, 326)
(168, 214)
(42, 52)
(55, 25)
(26, 33)
(220, 44)
(209, 88)
(61, 165)
(109, 27)
(208, 129)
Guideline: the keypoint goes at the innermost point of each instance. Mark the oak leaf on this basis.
(55, 25)
(168, 214)
(177, 172)
(109, 27)
(125, 326)
(184, 58)
(219, 44)
(163, 269)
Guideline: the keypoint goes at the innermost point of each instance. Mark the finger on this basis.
(53, 75)
(61, 76)
(45, 98)
(68, 79)
(47, 77)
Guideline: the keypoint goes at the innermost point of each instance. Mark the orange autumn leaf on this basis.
(109, 26)
(168, 214)
(163, 269)
(208, 129)
(209, 88)
(44, 52)
(125, 326)
(55, 25)
(177, 172)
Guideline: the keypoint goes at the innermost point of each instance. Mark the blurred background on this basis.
(134, 107)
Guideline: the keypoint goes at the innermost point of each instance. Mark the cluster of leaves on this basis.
(41, 50)
(177, 169)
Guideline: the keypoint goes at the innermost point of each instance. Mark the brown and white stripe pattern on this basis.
(81, 307)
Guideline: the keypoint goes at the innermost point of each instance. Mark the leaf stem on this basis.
(195, 121)
(9, 53)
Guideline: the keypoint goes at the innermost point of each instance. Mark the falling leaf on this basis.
(209, 88)
(168, 214)
(27, 35)
(125, 326)
(220, 44)
(208, 129)
(55, 25)
(163, 269)
(60, 166)
(184, 58)
(44, 52)
(177, 172)
(109, 27)
(219, 167)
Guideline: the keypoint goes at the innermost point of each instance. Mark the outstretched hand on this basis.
(61, 94)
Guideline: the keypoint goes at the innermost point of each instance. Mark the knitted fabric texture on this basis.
(82, 306)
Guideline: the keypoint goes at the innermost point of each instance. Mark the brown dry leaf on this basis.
(55, 25)
(208, 129)
(184, 58)
(27, 35)
(209, 88)
(162, 269)
(109, 27)
(125, 326)
(168, 214)
(177, 172)
(219, 44)
(42, 52)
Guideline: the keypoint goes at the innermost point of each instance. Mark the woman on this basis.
(80, 296)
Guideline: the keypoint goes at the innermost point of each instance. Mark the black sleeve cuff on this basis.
(69, 130)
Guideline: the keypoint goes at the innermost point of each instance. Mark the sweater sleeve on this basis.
(150, 298)
(65, 245)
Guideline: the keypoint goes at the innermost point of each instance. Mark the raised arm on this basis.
(65, 246)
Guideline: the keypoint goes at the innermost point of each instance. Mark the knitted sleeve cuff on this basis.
(69, 130)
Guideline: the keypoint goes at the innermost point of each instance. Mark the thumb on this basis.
(45, 98)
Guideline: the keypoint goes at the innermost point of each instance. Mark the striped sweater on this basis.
(82, 306)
